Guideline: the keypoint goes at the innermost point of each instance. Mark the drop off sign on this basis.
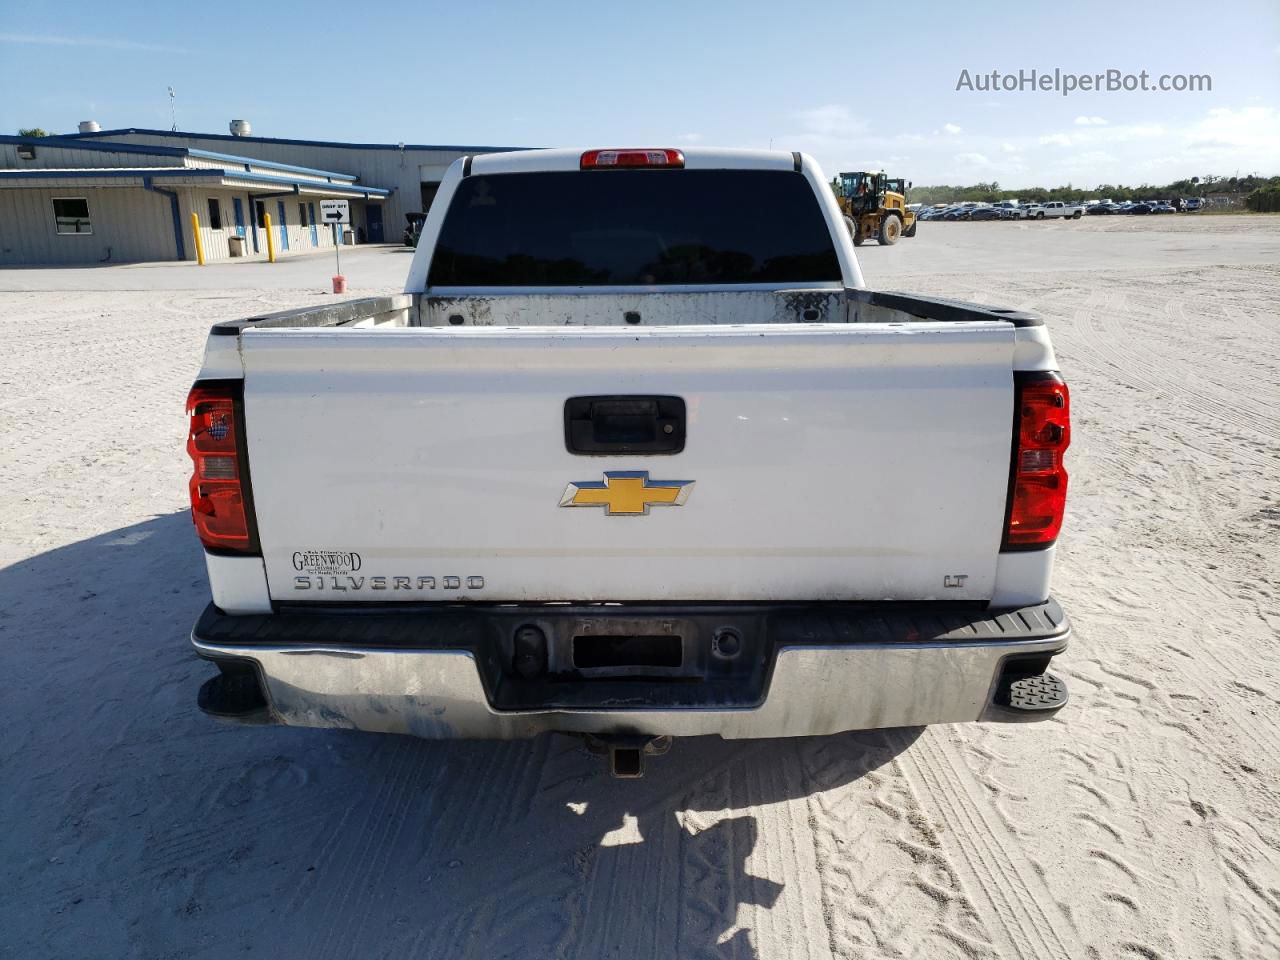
(335, 212)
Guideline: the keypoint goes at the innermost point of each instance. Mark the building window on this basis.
(71, 215)
(260, 212)
(215, 214)
(302, 214)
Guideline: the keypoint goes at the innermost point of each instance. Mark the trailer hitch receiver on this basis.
(627, 753)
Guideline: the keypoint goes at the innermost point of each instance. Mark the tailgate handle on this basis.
(601, 426)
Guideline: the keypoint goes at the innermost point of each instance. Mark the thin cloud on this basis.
(830, 120)
(1090, 122)
(107, 43)
(1090, 160)
(951, 128)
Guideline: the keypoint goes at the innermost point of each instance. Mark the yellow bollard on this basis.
(195, 232)
(271, 243)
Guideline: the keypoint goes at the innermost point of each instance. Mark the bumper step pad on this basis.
(1040, 695)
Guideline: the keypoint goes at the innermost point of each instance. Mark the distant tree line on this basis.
(1265, 199)
(1259, 193)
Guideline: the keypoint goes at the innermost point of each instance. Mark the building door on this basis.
(429, 191)
(238, 209)
(258, 209)
(284, 229)
(311, 215)
(373, 222)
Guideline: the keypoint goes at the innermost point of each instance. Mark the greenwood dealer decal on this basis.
(326, 561)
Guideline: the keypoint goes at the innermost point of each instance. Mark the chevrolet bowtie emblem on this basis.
(627, 493)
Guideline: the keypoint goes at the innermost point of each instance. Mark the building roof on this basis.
(186, 176)
(179, 135)
(74, 143)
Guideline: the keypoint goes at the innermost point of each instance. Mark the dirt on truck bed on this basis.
(1142, 821)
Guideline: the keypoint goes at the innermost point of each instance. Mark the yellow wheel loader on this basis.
(874, 207)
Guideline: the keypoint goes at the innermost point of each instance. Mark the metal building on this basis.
(412, 172)
(79, 200)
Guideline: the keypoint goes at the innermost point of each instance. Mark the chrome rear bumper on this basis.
(823, 669)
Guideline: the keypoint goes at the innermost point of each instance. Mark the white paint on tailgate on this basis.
(1022, 577)
(832, 462)
(238, 584)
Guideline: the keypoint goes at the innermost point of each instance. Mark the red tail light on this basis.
(219, 501)
(637, 157)
(1038, 485)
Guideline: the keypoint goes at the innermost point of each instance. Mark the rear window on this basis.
(634, 227)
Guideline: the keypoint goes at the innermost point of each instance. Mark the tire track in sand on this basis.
(999, 879)
(888, 888)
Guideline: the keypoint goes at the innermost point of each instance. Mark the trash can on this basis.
(235, 246)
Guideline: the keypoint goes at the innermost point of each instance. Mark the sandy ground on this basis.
(1142, 822)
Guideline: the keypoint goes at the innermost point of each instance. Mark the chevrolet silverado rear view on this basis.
(636, 455)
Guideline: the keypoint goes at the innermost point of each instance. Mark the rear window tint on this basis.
(634, 227)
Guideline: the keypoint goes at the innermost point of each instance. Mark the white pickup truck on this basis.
(1055, 208)
(635, 455)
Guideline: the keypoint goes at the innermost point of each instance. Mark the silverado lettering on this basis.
(384, 583)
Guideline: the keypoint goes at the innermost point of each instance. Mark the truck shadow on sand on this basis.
(143, 828)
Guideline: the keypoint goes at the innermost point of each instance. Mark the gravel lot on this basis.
(1142, 822)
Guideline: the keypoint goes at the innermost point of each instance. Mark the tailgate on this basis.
(833, 462)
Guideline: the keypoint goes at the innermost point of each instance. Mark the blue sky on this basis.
(858, 85)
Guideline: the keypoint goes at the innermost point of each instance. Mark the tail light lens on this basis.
(219, 485)
(640, 157)
(1038, 485)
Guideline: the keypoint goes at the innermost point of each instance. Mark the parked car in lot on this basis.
(1099, 209)
(1056, 209)
(1141, 207)
(642, 520)
(1010, 210)
(986, 213)
(1164, 206)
